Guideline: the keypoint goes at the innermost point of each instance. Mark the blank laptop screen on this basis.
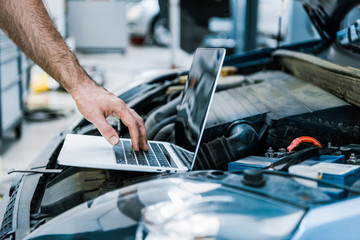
(196, 100)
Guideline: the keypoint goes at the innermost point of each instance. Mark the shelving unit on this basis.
(11, 87)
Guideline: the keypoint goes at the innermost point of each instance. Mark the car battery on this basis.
(333, 170)
(336, 173)
(341, 174)
(324, 158)
(329, 158)
(252, 162)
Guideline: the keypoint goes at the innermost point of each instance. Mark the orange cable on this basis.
(296, 142)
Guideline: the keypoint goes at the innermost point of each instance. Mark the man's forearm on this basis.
(28, 24)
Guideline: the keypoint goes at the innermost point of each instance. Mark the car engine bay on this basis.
(253, 120)
(279, 156)
(276, 130)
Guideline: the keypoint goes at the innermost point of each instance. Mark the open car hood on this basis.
(327, 15)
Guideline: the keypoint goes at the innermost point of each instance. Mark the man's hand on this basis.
(95, 104)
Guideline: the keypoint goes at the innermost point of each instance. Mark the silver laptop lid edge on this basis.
(222, 52)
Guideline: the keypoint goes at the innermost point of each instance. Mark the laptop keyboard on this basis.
(156, 156)
(160, 155)
(183, 154)
(129, 153)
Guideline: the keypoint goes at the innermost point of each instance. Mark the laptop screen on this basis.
(195, 103)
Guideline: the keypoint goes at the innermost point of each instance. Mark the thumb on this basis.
(107, 131)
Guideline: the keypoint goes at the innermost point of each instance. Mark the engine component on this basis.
(240, 140)
(152, 132)
(270, 153)
(289, 107)
(160, 114)
(253, 177)
(165, 134)
(309, 110)
(353, 159)
(338, 173)
(231, 82)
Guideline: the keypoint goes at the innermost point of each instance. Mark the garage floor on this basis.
(120, 71)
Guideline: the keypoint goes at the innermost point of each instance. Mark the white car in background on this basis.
(145, 23)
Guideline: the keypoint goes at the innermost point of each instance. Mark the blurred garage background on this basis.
(122, 43)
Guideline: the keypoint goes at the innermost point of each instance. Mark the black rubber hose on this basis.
(240, 140)
(151, 133)
(161, 113)
(166, 133)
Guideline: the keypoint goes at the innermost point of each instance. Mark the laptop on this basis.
(177, 156)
